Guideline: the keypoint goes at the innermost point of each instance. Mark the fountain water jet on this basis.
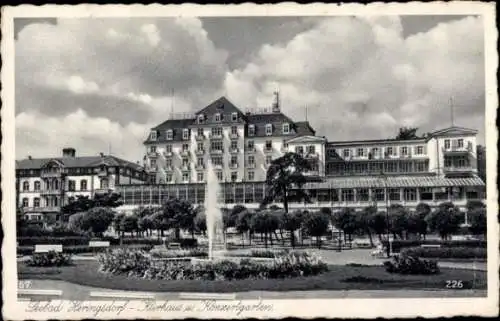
(215, 225)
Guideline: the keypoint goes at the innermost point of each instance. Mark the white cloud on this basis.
(78, 85)
(363, 79)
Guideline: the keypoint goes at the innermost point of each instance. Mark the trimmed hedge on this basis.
(403, 264)
(50, 258)
(185, 243)
(447, 252)
(77, 249)
(84, 240)
(397, 245)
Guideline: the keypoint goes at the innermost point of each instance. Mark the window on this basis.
(199, 132)
(36, 202)
(234, 176)
(168, 148)
(26, 186)
(25, 202)
(199, 147)
(286, 128)
(83, 185)
(379, 194)
(168, 177)
(361, 152)
(251, 159)
(153, 135)
(375, 151)
(199, 161)
(269, 129)
(268, 160)
(251, 130)
(269, 145)
(37, 185)
(185, 162)
(391, 167)
(152, 149)
(234, 144)
(185, 147)
(347, 195)
(170, 134)
(404, 151)
(389, 151)
(71, 186)
(234, 160)
(217, 117)
(153, 163)
(250, 145)
(234, 130)
(460, 143)
(447, 144)
(234, 117)
(216, 146)
(299, 150)
(311, 149)
(346, 152)
(410, 194)
(185, 134)
(199, 176)
(419, 150)
(219, 176)
(217, 160)
(362, 195)
(185, 176)
(394, 194)
(168, 162)
(201, 119)
(56, 184)
(216, 131)
(56, 201)
(420, 167)
(251, 175)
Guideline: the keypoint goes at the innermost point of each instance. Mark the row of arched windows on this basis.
(53, 185)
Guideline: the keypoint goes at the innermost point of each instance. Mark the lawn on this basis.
(339, 277)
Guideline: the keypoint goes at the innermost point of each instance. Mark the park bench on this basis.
(174, 246)
(45, 248)
(430, 246)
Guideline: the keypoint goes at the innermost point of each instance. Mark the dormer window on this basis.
(170, 134)
(185, 134)
(251, 130)
(269, 129)
(201, 119)
(217, 118)
(152, 136)
(234, 117)
(286, 128)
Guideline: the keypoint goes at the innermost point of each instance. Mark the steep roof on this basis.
(82, 161)
(454, 130)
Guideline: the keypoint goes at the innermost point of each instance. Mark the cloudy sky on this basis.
(92, 84)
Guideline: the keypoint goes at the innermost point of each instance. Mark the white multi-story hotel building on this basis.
(442, 166)
(43, 185)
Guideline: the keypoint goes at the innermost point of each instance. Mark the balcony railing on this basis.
(216, 136)
(457, 169)
(233, 165)
(312, 155)
(50, 192)
(456, 149)
(200, 137)
(268, 150)
(200, 152)
(168, 153)
(200, 166)
(45, 174)
(251, 165)
(152, 154)
(233, 135)
(284, 149)
(250, 149)
(234, 150)
(216, 151)
(185, 167)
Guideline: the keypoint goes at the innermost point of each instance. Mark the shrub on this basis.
(123, 261)
(50, 258)
(403, 264)
(65, 241)
(186, 243)
(447, 252)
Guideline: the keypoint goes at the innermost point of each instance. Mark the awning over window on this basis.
(396, 181)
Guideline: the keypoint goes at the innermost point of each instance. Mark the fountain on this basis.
(215, 225)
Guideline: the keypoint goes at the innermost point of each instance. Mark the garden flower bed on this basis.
(139, 265)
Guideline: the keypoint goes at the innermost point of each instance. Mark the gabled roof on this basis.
(454, 130)
(306, 139)
(71, 162)
(221, 105)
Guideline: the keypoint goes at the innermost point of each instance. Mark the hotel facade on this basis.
(440, 167)
(44, 185)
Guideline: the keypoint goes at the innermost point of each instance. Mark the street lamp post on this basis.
(389, 248)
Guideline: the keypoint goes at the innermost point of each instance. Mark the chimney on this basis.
(29, 157)
(276, 103)
(101, 154)
(69, 152)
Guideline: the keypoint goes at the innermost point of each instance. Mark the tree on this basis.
(316, 224)
(243, 224)
(98, 219)
(129, 224)
(285, 174)
(145, 224)
(398, 220)
(445, 220)
(407, 133)
(292, 222)
(477, 221)
(117, 221)
(346, 221)
(378, 224)
(416, 221)
(178, 214)
(363, 219)
(200, 220)
(76, 223)
(265, 223)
